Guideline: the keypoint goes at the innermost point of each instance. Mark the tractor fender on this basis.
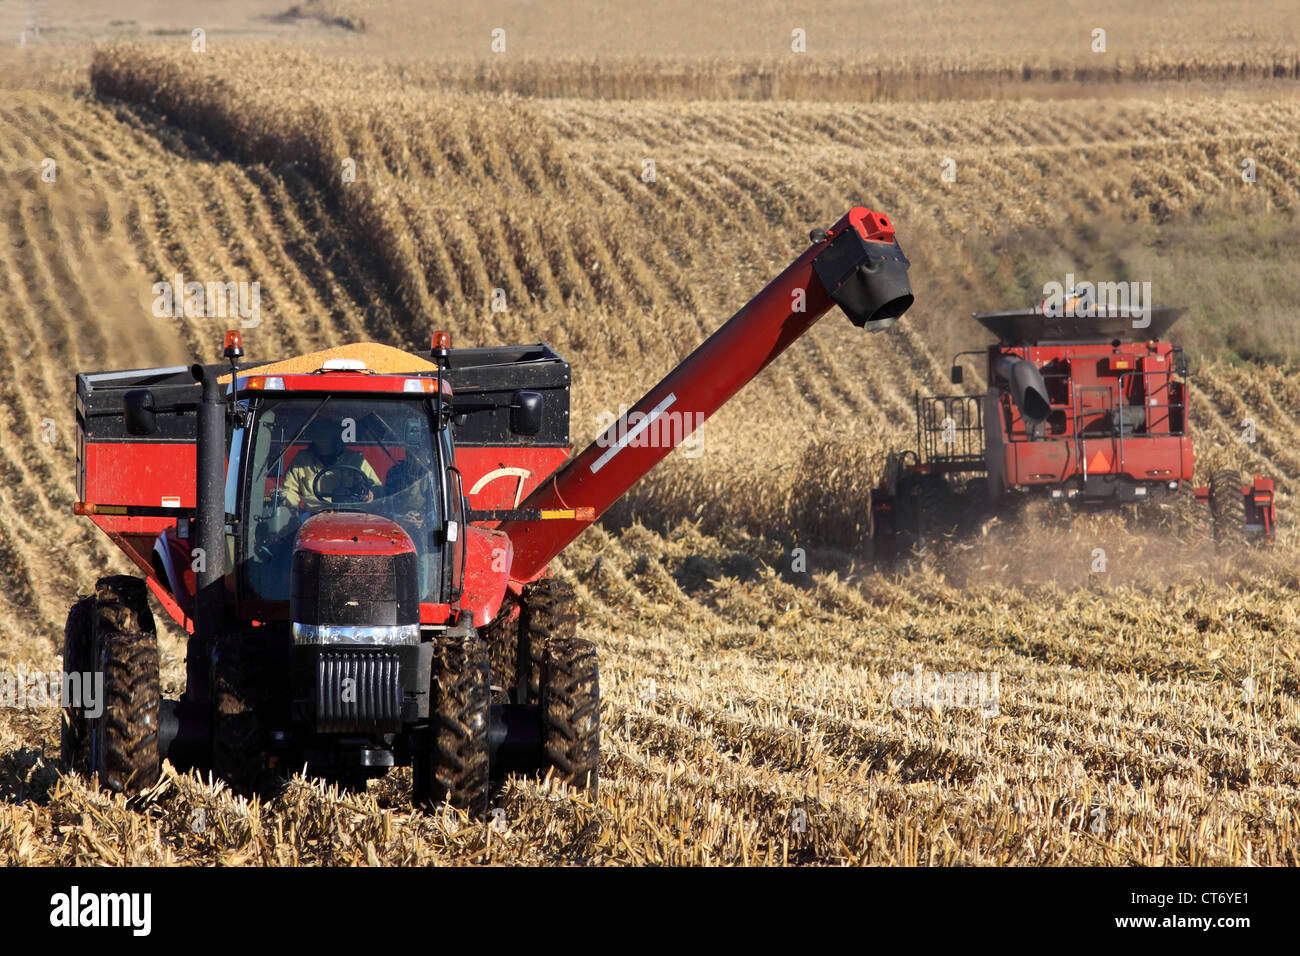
(171, 564)
(488, 557)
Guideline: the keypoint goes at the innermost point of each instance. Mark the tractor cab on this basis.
(343, 455)
(370, 467)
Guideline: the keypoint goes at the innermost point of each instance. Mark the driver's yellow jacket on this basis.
(306, 466)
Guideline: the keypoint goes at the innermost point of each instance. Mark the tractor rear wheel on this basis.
(241, 692)
(1227, 507)
(111, 634)
(570, 697)
(455, 767)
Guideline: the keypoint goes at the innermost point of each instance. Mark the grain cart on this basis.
(1082, 410)
(357, 542)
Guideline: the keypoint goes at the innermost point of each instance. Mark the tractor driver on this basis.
(410, 501)
(344, 474)
(409, 483)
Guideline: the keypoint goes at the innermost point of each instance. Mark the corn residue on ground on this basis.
(770, 695)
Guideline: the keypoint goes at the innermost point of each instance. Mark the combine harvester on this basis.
(1082, 411)
(357, 542)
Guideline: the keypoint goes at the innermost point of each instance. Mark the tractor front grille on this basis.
(358, 691)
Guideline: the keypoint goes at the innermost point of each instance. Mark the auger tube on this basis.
(856, 264)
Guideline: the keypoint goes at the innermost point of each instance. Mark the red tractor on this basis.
(360, 556)
(1083, 410)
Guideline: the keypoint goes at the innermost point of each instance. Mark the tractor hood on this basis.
(352, 532)
(355, 579)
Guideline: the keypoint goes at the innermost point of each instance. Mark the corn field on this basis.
(756, 665)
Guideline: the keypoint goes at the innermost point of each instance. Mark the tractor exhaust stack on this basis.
(210, 521)
(857, 264)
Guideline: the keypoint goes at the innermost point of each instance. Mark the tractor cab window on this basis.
(308, 455)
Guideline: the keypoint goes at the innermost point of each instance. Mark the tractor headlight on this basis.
(356, 634)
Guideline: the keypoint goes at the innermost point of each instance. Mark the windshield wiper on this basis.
(370, 427)
(294, 440)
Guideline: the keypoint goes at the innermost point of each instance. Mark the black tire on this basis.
(455, 769)
(906, 514)
(502, 640)
(242, 694)
(78, 648)
(1227, 507)
(571, 713)
(974, 505)
(1178, 512)
(112, 633)
(547, 611)
(933, 509)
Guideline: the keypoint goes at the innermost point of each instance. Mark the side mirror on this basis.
(956, 374)
(526, 412)
(141, 419)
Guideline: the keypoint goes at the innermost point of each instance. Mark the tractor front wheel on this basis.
(241, 692)
(455, 766)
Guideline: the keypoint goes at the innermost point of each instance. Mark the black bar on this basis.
(144, 511)
(1131, 908)
(506, 514)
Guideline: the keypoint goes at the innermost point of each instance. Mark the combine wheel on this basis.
(1227, 507)
(111, 633)
(455, 768)
(975, 507)
(571, 712)
(936, 510)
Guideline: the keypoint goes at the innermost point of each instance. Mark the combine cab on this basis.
(358, 542)
(1084, 411)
